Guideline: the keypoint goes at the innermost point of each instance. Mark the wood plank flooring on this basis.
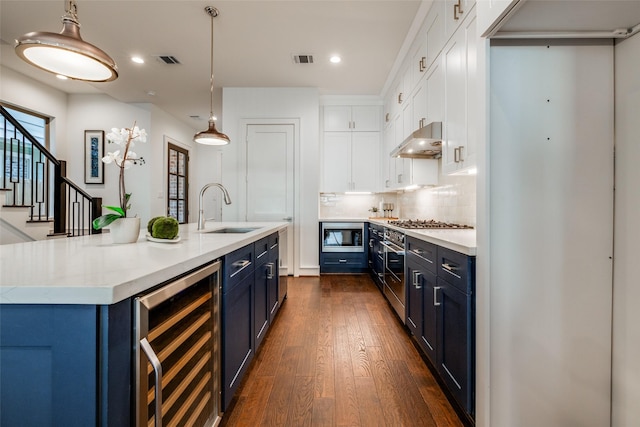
(337, 356)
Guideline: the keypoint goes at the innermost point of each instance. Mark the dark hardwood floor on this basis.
(337, 356)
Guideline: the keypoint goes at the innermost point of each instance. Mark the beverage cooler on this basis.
(177, 351)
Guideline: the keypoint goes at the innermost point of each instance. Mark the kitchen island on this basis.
(66, 318)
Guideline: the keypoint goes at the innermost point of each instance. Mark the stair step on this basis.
(17, 206)
(37, 221)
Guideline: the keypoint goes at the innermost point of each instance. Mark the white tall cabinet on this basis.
(350, 148)
(551, 233)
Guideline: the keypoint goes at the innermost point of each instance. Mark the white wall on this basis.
(279, 103)
(39, 98)
(626, 297)
(73, 114)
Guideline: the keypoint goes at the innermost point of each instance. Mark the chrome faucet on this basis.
(227, 200)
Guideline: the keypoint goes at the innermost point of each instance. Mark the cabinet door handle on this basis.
(386, 117)
(157, 370)
(400, 178)
(460, 158)
(456, 155)
(457, 9)
(371, 243)
(270, 271)
(423, 64)
(435, 296)
(416, 279)
(400, 98)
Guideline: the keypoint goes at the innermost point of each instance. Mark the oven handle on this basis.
(399, 250)
(157, 370)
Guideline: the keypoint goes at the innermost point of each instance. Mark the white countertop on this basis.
(92, 270)
(461, 240)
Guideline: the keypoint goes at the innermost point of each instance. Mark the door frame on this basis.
(294, 228)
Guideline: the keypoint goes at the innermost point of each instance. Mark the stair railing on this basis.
(37, 180)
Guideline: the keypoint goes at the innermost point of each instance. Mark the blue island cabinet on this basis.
(249, 304)
(65, 365)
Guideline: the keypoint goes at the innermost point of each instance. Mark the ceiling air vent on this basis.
(303, 59)
(168, 59)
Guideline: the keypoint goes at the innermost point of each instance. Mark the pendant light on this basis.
(65, 53)
(211, 136)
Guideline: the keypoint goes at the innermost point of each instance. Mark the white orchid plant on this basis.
(123, 158)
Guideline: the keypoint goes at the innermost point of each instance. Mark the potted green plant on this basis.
(123, 229)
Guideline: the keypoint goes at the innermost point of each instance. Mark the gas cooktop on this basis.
(430, 223)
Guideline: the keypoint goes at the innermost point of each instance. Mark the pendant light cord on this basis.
(212, 12)
(72, 12)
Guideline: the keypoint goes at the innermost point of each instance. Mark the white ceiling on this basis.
(253, 47)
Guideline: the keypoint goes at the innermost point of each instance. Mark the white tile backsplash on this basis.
(454, 200)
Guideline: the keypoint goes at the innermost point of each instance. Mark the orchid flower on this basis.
(125, 139)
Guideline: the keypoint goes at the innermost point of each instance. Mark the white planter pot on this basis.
(125, 230)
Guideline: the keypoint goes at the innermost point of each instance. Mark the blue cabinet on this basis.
(65, 365)
(441, 314)
(249, 304)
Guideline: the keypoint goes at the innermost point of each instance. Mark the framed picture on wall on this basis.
(93, 154)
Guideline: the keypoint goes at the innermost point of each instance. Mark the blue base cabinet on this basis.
(441, 314)
(65, 365)
(249, 304)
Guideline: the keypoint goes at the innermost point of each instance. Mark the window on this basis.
(178, 185)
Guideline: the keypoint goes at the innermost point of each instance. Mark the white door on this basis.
(270, 176)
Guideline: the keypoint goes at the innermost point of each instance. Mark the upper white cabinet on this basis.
(350, 161)
(455, 12)
(358, 118)
(460, 88)
(351, 148)
(435, 31)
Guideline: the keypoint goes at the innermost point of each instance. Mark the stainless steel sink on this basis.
(236, 230)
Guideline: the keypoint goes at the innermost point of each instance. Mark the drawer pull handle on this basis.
(343, 261)
(157, 370)
(435, 296)
(450, 269)
(241, 264)
(416, 279)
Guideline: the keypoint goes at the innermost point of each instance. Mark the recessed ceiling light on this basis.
(335, 59)
(61, 77)
(137, 60)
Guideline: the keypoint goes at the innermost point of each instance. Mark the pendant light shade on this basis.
(65, 53)
(211, 136)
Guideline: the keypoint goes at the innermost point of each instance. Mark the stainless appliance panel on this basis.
(394, 284)
(342, 237)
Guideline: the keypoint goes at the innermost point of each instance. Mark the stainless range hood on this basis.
(425, 143)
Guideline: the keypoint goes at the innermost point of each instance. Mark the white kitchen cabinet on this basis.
(350, 161)
(455, 12)
(434, 83)
(358, 118)
(460, 88)
(435, 31)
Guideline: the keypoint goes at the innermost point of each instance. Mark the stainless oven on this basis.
(394, 287)
(343, 237)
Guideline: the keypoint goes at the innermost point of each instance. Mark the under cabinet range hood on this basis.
(425, 143)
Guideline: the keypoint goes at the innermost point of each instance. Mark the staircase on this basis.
(37, 200)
